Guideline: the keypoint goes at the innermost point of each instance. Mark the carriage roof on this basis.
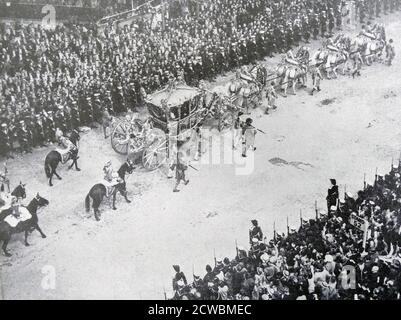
(174, 97)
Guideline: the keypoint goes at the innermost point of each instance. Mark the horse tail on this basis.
(87, 203)
(47, 169)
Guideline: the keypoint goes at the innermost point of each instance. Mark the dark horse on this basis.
(54, 158)
(98, 191)
(25, 226)
(19, 192)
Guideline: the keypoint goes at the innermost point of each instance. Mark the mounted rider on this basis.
(18, 213)
(331, 46)
(111, 178)
(290, 59)
(70, 150)
(367, 33)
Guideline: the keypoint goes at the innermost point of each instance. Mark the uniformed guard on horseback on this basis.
(111, 178)
(69, 148)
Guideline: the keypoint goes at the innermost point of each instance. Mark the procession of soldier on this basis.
(56, 83)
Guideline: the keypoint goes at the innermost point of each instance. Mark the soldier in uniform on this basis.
(38, 132)
(390, 52)
(271, 96)
(323, 23)
(332, 194)
(237, 130)
(316, 78)
(49, 126)
(248, 137)
(23, 137)
(315, 26)
(255, 232)
(306, 28)
(59, 118)
(180, 169)
(96, 106)
(75, 115)
(331, 19)
(6, 146)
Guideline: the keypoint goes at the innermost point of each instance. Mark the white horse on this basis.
(291, 75)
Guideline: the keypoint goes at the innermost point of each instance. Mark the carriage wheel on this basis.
(119, 138)
(155, 154)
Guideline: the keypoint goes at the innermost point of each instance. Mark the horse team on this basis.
(343, 51)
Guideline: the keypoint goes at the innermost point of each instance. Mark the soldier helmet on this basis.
(249, 121)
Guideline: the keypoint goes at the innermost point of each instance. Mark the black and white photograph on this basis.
(219, 151)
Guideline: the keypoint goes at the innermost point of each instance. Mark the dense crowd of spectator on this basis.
(324, 260)
(65, 77)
